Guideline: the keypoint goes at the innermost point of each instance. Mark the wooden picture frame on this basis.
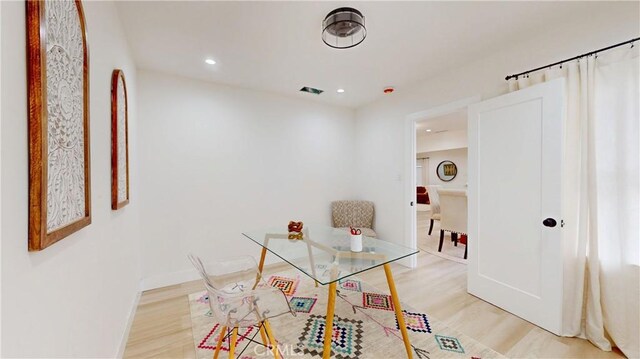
(446, 171)
(119, 141)
(58, 92)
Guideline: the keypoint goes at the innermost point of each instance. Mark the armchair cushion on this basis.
(357, 214)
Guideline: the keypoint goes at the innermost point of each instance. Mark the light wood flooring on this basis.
(162, 327)
(429, 243)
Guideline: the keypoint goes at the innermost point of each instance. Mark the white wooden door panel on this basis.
(515, 158)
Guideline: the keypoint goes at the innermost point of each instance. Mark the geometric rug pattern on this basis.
(211, 340)
(377, 301)
(346, 342)
(350, 284)
(204, 298)
(416, 322)
(286, 285)
(302, 304)
(448, 343)
(364, 326)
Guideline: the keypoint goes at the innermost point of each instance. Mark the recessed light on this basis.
(428, 130)
(340, 91)
(210, 61)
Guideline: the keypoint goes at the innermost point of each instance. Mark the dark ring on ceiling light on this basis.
(343, 28)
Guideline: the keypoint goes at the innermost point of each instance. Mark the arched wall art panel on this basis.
(58, 90)
(119, 141)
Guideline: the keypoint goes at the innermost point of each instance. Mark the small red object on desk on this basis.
(295, 226)
(295, 230)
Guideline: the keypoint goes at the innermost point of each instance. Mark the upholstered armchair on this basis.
(357, 214)
(453, 212)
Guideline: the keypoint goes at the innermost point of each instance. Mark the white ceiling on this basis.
(449, 122)
(277, 46)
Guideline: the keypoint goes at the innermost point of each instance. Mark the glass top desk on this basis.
(324, 255)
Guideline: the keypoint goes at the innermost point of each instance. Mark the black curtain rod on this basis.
(573, 58)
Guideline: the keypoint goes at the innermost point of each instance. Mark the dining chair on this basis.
(236, 302)
(453, 212)
(356, 214)
(435, 205)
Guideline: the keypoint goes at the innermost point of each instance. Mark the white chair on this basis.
(453, 215)
(434, 202)
(240, 298)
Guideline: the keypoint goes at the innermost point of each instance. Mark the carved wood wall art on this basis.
(58, 92)
(119, 141)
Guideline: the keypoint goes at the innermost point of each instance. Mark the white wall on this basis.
(457, 156)
(218, 160)
(450, 145)
(441, 141)
(380, 147)
(73, 298)
(0, 187)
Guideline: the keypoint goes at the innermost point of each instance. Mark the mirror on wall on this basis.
(446, 171)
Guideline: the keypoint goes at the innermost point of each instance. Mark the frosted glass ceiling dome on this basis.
(343, 28)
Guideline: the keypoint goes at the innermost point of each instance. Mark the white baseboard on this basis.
(164, 280)
(127, 329)
(187, 275)
(409, 262)
(152, 283)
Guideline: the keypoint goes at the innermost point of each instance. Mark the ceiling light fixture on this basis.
(428, 130)
(340, 91)
(343, 28)
(210, 61)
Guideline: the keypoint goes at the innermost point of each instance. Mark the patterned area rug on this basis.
(365, 326)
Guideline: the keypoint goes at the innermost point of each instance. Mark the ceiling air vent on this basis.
(311, 90)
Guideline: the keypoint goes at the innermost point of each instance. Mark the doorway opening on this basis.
(441, 163)
(437, 158)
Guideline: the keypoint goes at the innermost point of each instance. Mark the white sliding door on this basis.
(515, 231)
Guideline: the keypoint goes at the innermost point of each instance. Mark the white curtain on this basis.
(420, 181)
(601, 186)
